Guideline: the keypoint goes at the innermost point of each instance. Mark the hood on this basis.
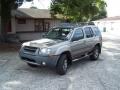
(44, 43)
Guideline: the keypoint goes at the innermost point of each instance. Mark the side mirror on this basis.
(76, 38)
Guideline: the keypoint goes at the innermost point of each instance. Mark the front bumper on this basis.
(37, 59)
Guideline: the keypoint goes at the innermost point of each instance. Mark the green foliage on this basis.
(79, 10)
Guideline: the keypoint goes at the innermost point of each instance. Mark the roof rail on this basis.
(76, 24)
(85, 23)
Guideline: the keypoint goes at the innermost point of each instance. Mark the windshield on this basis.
(59, 33)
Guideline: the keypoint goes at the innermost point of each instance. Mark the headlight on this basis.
(45, 51)
(25, 44)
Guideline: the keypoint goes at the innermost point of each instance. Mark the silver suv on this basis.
(62, 45)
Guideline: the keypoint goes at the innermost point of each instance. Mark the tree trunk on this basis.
(5, 17)
(3, 30)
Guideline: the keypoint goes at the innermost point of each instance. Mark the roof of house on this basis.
(32, 13)
(110, 18)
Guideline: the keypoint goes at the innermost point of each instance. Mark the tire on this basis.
(32, 65)
(95, 54)
(62, 65)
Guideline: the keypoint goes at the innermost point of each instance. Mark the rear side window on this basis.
(92, 33)
(97, 31)
(88, 31)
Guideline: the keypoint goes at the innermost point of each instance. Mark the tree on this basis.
(79, 10)
(5, 11)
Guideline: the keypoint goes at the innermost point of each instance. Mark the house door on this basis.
(46, 26)
(39, 25)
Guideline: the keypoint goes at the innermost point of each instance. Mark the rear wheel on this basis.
(31, 65)
(62, 65)
(95, 53)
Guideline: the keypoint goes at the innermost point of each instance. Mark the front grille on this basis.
(27, 59)
(31, 50)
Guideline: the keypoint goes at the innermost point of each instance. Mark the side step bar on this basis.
(80, 58)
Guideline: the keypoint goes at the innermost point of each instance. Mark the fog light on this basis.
(43, 63)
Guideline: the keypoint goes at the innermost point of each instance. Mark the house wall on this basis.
(29, 36)
(53, 22)
(13, 26)
(27, 31)
(29, 26)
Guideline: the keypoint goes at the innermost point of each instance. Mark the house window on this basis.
(21, 21)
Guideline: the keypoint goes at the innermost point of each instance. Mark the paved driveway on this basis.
(103, 74)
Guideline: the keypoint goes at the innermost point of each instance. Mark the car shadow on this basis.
(82, 63)
(51, 72)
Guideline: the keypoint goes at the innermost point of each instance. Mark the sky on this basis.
(41, 4)
(113, 6)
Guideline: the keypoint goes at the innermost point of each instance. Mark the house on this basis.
(30, 24)
(109, 24)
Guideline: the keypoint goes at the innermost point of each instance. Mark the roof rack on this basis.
(86, 23)
(75, 24)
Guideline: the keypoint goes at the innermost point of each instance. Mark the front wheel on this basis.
(95, 54)
(62, 65)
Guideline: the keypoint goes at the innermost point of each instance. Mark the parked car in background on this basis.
(62, 45)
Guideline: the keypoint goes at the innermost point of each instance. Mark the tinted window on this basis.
(92, 33)
(97, 31)
(78, 34)
(89, 33)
